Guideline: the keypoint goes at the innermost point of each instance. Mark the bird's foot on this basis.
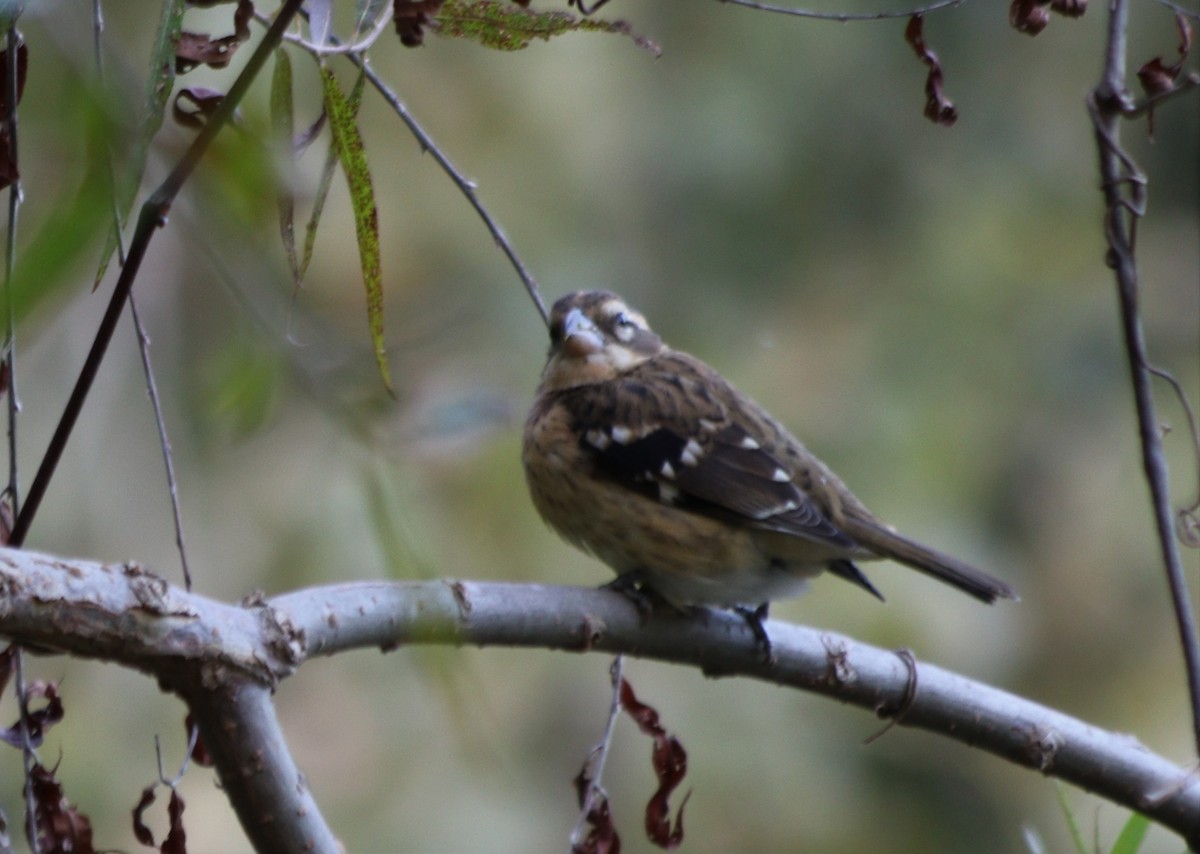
(632, 585)
(754, 618)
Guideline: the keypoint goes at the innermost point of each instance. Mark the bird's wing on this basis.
(680, 437)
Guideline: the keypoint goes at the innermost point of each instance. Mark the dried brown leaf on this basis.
(9, 173)
(141, 832)
(195, 104)
(1158, 78)
(200, 754)
(411, 17)
(669, 760)
(36, 720)
(1029, 16)
(938, 108)
(202, 49)
(176, 841)
(603, 837)
(59, 825)
(1069, 8)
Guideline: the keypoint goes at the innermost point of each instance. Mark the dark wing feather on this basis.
(670, 436)
(750, 482)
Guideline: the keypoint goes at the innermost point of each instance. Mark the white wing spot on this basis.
(621, 435)
(597, 439)
(749, 444)
(779, 475)
(667, 471)
(691, 453)
(667, 493)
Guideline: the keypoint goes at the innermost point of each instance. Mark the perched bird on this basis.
(651, 461)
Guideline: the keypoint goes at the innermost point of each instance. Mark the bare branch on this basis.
(237, 722)
(215, 654)
(842, 17)
(1124, 188)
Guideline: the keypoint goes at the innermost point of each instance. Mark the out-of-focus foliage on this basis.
(927, 307)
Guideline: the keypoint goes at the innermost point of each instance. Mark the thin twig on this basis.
(153, 216)
(172, 782)
(1189, 82)
(1107, 103)
(28, 757)
(143, 339)
(164, 442)
(10, 252)
(842, 17)
(465, 185)
(1175, 7)
(359, 46)
(1187, 514)
(593, 768)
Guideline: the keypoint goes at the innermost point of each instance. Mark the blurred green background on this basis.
(927, 307)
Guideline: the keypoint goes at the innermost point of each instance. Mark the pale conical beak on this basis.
(581, 338)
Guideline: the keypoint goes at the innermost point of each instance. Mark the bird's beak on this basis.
(581, 338)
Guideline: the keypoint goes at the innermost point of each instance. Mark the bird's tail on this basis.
(887, 543)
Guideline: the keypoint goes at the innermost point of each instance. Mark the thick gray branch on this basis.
(213, 654)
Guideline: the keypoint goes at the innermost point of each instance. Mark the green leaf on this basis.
(154, 104)
(366, 14)
(241, 387)
(502, 26)
(1130, 838)
(314, 219)
(348, 142)
(1072, 825)
(77, 217)
(283, 128)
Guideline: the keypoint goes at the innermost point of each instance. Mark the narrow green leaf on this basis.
(77, 218)
(283, 128)
(1130, 838)
(366, 14)
(1072, 825)
(154, 104)
(347, 140)
(502, 26)
(314, 219)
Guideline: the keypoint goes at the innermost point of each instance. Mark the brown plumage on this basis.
(650, 460)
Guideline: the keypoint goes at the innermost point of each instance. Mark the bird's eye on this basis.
(624, 326)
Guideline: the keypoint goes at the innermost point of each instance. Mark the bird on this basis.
(648, 459)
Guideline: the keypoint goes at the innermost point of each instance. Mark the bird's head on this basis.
(595, 337)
